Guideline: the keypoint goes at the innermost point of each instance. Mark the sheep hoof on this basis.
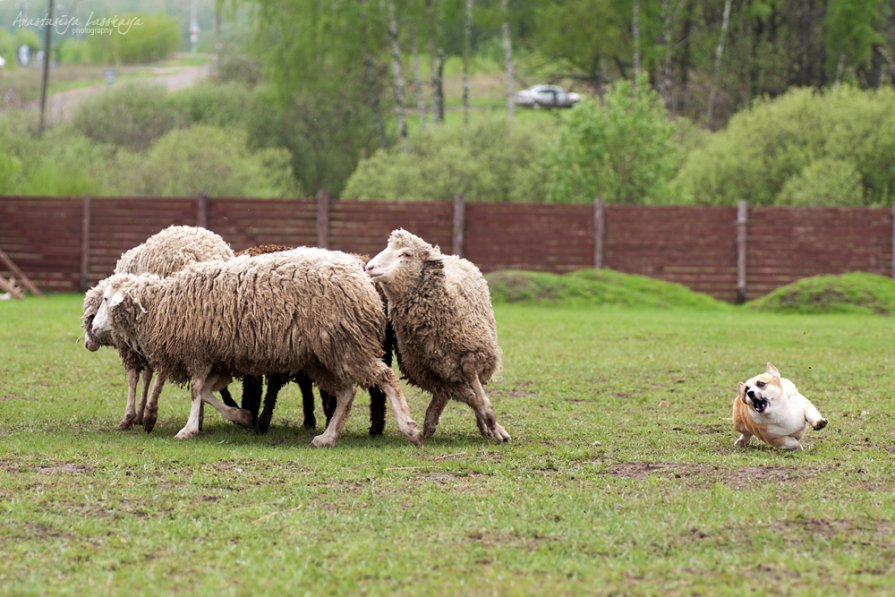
(186, 433)
(126, 423)
(310, 423)
(243, 418)
(428, 431)
(138, 420)
(500, 434)
(149, 422)
(323, 441)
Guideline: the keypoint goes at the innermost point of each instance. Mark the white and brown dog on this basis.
(771, 408)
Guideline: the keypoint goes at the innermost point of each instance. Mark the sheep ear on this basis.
(773, 370)
(117, 298)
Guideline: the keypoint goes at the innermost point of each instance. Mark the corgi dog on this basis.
(770, 407)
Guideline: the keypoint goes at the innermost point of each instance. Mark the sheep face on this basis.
(115, 292)
(92, 301)
(403, 258)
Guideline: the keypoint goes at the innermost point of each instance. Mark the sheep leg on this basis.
(127, 421)
(252, 388)
(274, 383)
(329, 405)
(227, 397)
(307, 400)
(144, 396)
(377, 411)
(484, 411)
(191, 429)
(328, 438)
(399, 406)
(239, 416)
(433, 413)
(150, 416)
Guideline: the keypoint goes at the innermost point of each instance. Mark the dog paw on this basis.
(820, 424)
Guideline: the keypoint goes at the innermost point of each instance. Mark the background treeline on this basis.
(773, 101)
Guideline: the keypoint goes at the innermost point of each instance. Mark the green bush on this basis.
(206, 159)
(621, 151)
(223, 104)
(495, 160)
(827, 181)
(149, 38)
(774, 141)
(131, 115)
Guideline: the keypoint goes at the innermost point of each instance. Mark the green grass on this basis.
(595, 287)
(621, 476)
(846, 293)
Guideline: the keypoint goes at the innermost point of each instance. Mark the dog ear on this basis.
(773, 370)
(741, 391)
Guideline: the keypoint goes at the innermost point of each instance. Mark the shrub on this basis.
(827, 181)
(221, 105)
(131, 115)
(150, 38)
(211, 160)
(621, 151)
(774, 141)
(495, 160)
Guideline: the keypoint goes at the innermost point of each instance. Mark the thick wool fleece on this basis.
(441, 311)
(306, 309)
(171, 250)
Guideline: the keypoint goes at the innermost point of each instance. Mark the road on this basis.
(61, 106)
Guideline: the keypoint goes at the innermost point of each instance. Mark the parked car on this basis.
(546, 96)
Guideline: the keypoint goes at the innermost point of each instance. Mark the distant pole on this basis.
(459, 225)
(742, 248)
(599, 232)
(46, 68)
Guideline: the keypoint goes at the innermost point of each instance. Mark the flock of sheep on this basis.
(184, 307)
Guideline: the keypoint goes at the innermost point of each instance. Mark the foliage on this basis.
(494, 160)
(621, 476)
(131, 115)
(776, 140)
(151, 38)
(210, 160)
(827, 181)
(594, 287)
(847, 293)
(218, 104)
(620, 151)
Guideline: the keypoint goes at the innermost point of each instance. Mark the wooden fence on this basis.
(732, 253)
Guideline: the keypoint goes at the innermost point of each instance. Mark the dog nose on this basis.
(750, 394)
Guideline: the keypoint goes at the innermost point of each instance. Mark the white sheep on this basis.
(441, 312)
(307, 310)
(163, 253)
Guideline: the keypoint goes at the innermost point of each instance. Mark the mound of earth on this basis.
(845, 293)
(594, 287)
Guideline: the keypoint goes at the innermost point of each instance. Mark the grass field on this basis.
(621, 476)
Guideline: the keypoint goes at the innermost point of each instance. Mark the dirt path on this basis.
(61, 106)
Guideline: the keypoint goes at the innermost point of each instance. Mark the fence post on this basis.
(202, 210)
(86, 215)
(323, 207)
(459, 225)
(742, 247)
(599, 231)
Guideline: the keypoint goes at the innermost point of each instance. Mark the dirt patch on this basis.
(700, 475)
(69, 468)
(491, 539)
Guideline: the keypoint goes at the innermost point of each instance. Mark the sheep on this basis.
(307, 309)
(162, 254)
(252, 386)
(441, 311)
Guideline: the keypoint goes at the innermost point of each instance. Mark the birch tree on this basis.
(418, 81)
(719, 53)
(370, 74)
(508, 57)
(396, 71)
(467, 43)
(435, 14)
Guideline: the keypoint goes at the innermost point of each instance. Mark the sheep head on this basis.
(403, 260)
(93, 299)
(119, 302)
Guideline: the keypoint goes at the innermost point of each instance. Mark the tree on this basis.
(621, 151)
(508, 56)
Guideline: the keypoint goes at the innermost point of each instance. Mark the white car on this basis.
(547, 96)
